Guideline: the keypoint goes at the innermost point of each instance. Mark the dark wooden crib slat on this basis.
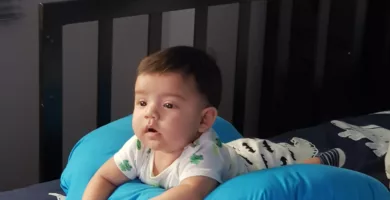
(322, 35)
(104, 71)
(50, 99)
(276, 67)
(241, 65)
(155, 32)
(200, 27)
(283, 51)
(84, 11)
(320, 57)
(359, 30)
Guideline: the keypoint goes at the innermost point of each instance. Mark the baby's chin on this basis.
(155, 145)
(152, 135)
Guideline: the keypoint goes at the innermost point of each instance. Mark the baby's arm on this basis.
(104, 182)
(192, 188)
(117, 170)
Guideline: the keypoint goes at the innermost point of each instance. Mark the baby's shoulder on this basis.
(207, 146)
(206, 156)
(135, 145)
(210, 138)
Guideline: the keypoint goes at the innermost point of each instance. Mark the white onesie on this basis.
(207, 156)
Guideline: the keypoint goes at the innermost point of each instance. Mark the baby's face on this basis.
(167, 111)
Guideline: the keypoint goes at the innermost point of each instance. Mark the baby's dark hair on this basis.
(187, 61)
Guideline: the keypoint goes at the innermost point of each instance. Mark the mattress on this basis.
(37, 191)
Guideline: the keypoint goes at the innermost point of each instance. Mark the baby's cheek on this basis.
(136, 124)
(180, 123)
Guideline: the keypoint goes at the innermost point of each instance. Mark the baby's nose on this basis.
(151, 113)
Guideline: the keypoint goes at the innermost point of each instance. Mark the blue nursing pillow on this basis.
(290, 182)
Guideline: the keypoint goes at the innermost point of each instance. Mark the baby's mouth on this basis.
(151, 130)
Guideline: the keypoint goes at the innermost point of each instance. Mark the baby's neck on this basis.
(163, 160)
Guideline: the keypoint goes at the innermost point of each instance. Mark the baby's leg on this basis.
(315, 160)
(334, 157)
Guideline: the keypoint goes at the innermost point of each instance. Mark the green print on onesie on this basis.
(218, 142)
(155, 185)
(216, 150)
(125, 166)
(195, 159)
(139, 145)
(195, 143)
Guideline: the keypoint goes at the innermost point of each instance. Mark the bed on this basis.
(250, 54)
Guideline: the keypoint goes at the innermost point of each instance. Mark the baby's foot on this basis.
(335, 157)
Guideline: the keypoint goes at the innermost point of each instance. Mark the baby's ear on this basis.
(209, 115)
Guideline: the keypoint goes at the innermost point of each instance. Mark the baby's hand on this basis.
(105, 180)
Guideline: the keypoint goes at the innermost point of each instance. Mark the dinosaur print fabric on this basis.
(261, 154)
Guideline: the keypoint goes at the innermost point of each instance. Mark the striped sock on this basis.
(334, 157)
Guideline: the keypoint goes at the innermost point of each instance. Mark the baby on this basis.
(177, 93)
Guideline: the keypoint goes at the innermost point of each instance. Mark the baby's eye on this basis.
(142, 103)
(168, 105)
